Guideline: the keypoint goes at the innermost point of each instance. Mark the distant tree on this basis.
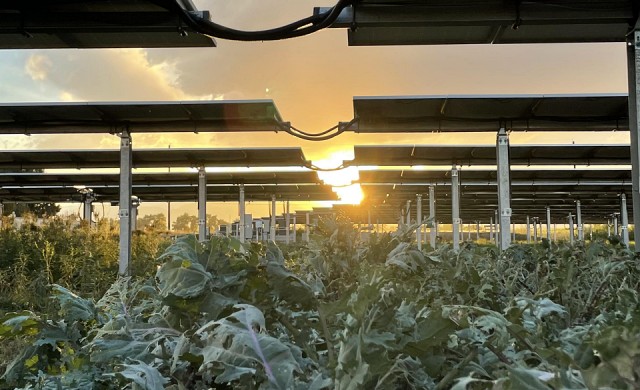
(213, 222)
(186, 223)
(154, 222)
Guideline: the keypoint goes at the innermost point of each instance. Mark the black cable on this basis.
(298, 28)
(321, 136)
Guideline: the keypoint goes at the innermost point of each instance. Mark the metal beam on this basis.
(202, 204)
(126, 161)
(455, 208)
(504, 202)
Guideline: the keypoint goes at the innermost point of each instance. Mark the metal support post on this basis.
(295, 226)
(287, 223)
(535, 230)
(432, 216)
(202, 204)
(528, 231)
(548, 223)
(408, 213)
(126, 159)
(272, 228)
(89, 197)
(615, 225)
(477, 231)
(307, 227)
(419, 220)
(455, 209)
(513, 229)
(633, 66)
(608, 227)
(135, 202)
(571, 232)
(625, 220)
(504, 201)
(496, 226)
(579, 221)
(491, 229)
(241, 211)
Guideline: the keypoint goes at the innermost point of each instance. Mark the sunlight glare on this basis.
(341, 180)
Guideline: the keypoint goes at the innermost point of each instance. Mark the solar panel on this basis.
(396, 22)
(139, 117)
(56, 24)
(153, 158)
(480, 113)
(412, 155)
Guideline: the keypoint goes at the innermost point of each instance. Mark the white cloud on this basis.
(38, 66)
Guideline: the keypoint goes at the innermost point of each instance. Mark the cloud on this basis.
(38, 66)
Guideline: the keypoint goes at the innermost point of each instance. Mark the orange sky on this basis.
(311, 79)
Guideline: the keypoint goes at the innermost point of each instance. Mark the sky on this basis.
(311, 79)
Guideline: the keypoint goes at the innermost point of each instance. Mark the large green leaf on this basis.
(182, 278)
(24, 323)
(233, 348)
(72, 306)
(146, 377)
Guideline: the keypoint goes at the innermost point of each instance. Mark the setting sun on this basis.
(342, 180)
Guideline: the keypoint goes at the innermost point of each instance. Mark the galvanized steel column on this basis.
(287, 223)
(126, 161)
(548, 223)
(307, 227)
(408, 213)
(535, 230)
(202, 204)
(272, 228)
(615, 225)
(504, 201)
(571, 232)
(625, 220)
(579, 221)
(135, 202)
(528, 231)
(496, 226)
(455, 209)
(295, 226)
(633, 62)
(432, 216)
(89, 197)
(241, 211)
(490, 229)
(419, 220)
(477, 231)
